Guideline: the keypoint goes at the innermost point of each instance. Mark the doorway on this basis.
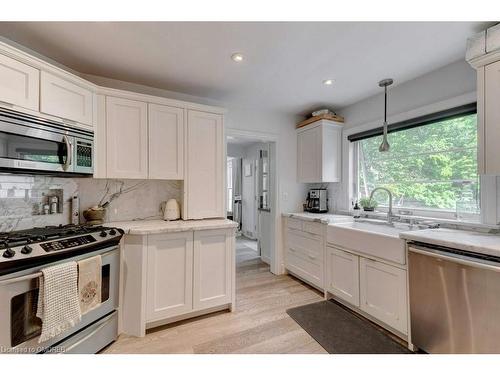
(250, 194)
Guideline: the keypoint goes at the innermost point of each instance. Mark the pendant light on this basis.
(384, 146)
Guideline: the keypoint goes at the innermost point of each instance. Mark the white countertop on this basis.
(482, 243)
(142, 227)
(320, 218)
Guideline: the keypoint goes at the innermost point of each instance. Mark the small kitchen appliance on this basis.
(171, 210)
(317, 201)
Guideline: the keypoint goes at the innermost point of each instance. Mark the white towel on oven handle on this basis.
(89, 283)
(58, 306)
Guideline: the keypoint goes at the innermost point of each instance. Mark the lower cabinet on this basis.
(383, 293)
(342, 275)
(173, 276)
(376, 288)
(212, 269)
(169, 275)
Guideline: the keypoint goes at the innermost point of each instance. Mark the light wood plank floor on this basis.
(258, 325)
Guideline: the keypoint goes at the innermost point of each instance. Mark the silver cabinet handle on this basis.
(69, 152)
(479, 263)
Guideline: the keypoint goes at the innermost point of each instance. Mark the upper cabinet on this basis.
(488, 110)
(204, 157)
(166, 142)
(319, 150)
(489, 119)
(19, 84)
(65, 99)
(126, 138)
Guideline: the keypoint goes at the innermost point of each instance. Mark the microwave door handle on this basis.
(69, 153)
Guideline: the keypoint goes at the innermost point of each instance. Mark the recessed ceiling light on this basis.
(328, 82)
(237, 57)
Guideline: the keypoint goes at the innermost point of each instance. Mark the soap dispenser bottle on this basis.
(356, 211)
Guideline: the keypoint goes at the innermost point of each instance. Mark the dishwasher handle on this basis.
(476, 262)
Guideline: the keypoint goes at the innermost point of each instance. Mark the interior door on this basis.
(265, 211)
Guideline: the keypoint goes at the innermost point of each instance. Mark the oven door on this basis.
(24, 147)
(20, 328)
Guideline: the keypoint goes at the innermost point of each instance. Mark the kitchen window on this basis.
(431, 167)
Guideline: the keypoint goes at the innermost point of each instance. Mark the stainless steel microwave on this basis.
(30, 144)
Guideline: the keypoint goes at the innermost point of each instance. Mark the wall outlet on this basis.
(285, 196)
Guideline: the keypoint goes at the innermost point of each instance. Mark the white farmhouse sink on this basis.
(377, 239)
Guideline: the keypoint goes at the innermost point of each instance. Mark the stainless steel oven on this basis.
(32, 144)
(20, 328)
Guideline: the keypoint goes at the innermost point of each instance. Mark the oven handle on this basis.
(69, 152)
(477, 263)
(37, 274)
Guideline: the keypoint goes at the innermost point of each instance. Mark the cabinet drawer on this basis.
(304, 247)
(309, 271)
(294, 224)
(313, 228)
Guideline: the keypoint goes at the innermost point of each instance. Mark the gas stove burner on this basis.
(24, 247)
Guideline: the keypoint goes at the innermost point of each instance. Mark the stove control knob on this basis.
(26, 249)
(9, 253)
(103, 234)
(112, 232)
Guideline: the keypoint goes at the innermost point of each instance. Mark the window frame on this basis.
(354, 138)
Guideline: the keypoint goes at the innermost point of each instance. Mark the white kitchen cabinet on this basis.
(304, 251)
(319, 151)
(65, 99)
(342, 275)
(383, 293)
(169, 275)
(213, 268)
(126, 138)
(19, 84)
(204, 166)
(166, 142)
(489, 131)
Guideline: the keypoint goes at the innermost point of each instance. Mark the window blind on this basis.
(447, 114)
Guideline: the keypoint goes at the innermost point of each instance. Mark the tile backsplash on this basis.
(22, 198)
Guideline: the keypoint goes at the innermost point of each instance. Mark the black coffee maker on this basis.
(317, 201)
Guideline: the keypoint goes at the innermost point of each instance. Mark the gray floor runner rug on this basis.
(339, 331)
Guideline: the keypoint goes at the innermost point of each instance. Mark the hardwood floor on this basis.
(258, 325)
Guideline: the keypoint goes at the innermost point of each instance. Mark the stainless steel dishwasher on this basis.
(454, 300)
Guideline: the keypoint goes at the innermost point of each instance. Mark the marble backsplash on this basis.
(21, 197)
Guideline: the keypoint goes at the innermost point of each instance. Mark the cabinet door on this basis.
(20, 84)
(204, 182)
(126, 138)
(342, 275)
(491, 135)
(170, 275)
(65, 99)
(166, 142)
(383, 293)
(309, 155)
(213, 262)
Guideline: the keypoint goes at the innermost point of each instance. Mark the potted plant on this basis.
(368, 204)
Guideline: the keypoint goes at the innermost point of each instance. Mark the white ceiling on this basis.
(284, 66)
